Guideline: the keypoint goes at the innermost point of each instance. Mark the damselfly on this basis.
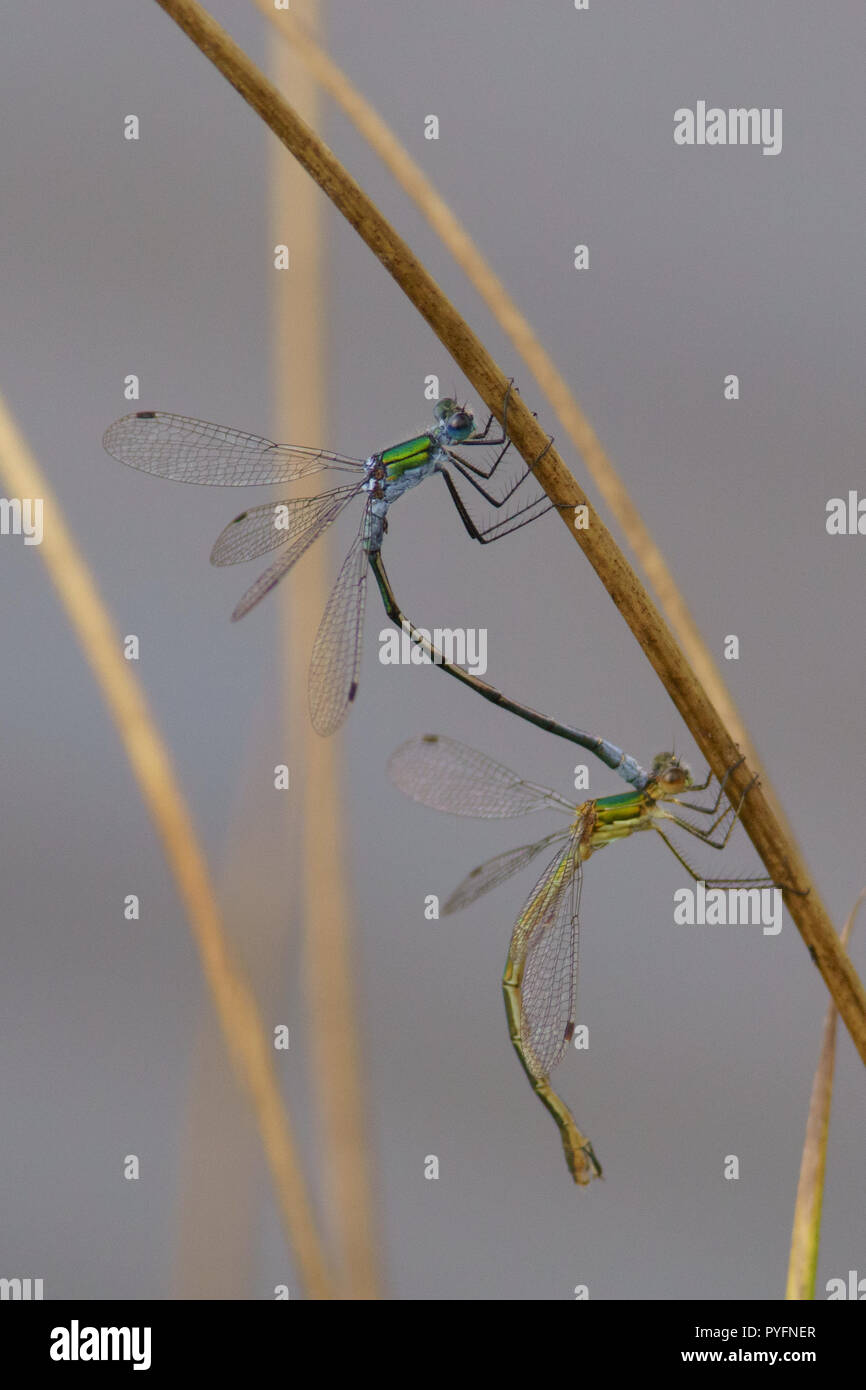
(193, 451)
(540, 980)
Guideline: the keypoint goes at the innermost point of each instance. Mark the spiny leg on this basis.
(510, 524)
(485, 473)
(709, 810)
(702, 786)
(759, 882)
(484, 535)
(705, 835)
(465, 468)
(460, 465)
(497, 529)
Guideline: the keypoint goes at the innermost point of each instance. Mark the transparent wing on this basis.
(302, 540)
(448, 776)
(544, 951)
(496, 871)
(336, 659)
(263, 528)
(194, 451)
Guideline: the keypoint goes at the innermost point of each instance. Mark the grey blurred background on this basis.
(154, 257)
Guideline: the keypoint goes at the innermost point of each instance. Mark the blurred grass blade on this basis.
(324, 901)
(806, 1234)
(152, 768)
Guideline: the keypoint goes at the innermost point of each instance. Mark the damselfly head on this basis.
(455, 421)
(670, 775)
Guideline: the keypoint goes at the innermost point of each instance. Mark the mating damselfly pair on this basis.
(540, 980)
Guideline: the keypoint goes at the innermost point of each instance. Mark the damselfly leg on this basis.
(705, 835)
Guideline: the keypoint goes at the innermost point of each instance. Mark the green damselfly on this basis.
(540, 979)
(194, 451)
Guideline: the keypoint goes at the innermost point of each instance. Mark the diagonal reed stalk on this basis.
(806, 1233)
(526, 342)
(245, 1037)
(780, 855)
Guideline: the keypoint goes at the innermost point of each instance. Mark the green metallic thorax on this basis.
(617, 810)
(619, 816)
(623, 799)
(401, 458)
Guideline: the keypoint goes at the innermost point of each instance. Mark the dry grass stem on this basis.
(806, 1234)
(151, 765)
